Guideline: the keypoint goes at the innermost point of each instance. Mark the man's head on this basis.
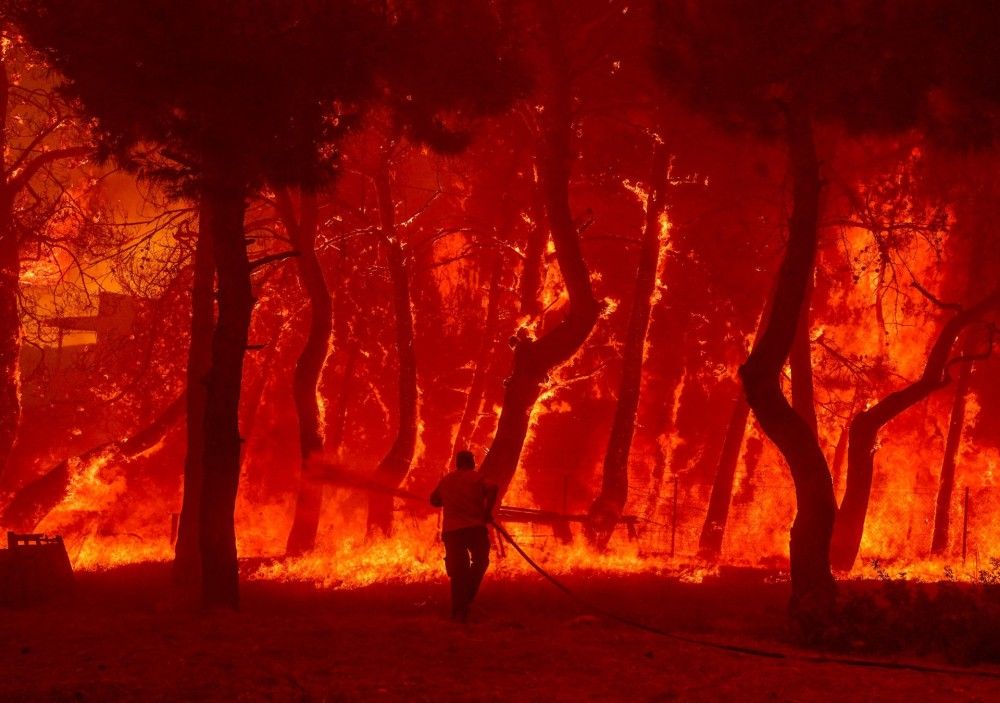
(465, 461)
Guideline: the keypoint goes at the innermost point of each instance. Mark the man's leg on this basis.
(479, 546)
(456, 564)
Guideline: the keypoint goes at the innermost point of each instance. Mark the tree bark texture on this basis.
(813, 588)
(714, 528)
(534, 359)
(10, 272)
(226, 206)
(800, 363)
(609, 503)
(719, 500)
(491, 330)
(309, 367)
(946, 486)
(394, 466)
(10, 330)
(187, 559)
(531, 270)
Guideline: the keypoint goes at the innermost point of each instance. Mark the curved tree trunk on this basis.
(864, 429)
(942, 513)
(477, 389)
(226, 205)
(309, 367)
(535, 358)
(394, 466)
(813, 588)
(609, 503)
(187, 561)
(800, 363)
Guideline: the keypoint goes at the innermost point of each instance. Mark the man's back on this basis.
(463, 495)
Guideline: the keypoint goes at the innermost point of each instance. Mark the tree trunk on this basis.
(394, 466)
(800, 363)
(10, 329)
(609, 503)
(942, 514)
(337, 420)
(38, 498)
(338, 428)
(813, 588)
(535, 358)
(309, 367)
(864, 429)
(187, 561)
(531, 270)
(840, 451)
(719, 500)
(10, 272)
(714, 527)
(225, 203)
(477, 389)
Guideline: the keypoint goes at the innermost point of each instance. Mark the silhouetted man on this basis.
(468, 502)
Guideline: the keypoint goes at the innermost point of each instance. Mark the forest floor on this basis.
(119, 638)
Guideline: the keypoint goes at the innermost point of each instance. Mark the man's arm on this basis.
(436, 497)
(491, 500)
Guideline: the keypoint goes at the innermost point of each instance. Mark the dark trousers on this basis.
(466, 556)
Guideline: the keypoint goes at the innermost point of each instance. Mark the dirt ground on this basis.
(120, 639)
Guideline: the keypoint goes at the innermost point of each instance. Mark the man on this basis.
(468, 502)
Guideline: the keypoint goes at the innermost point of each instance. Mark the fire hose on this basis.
(737, 649)
(346, 478)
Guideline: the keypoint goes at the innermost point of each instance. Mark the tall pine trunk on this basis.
(225, 201)
(609, 503)
(530, 283)
(394, 466)
(946, 486)
(10, 328)
(534, 359)
(491, 329)
(309, 367)
(10, 272)
(714, 528)
(865, 427)
(813, 588)
(187, 560)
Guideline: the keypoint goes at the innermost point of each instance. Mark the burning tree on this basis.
(203, 104)
(235, 98)
(780, 70)
(535, 359)
(38, 140)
